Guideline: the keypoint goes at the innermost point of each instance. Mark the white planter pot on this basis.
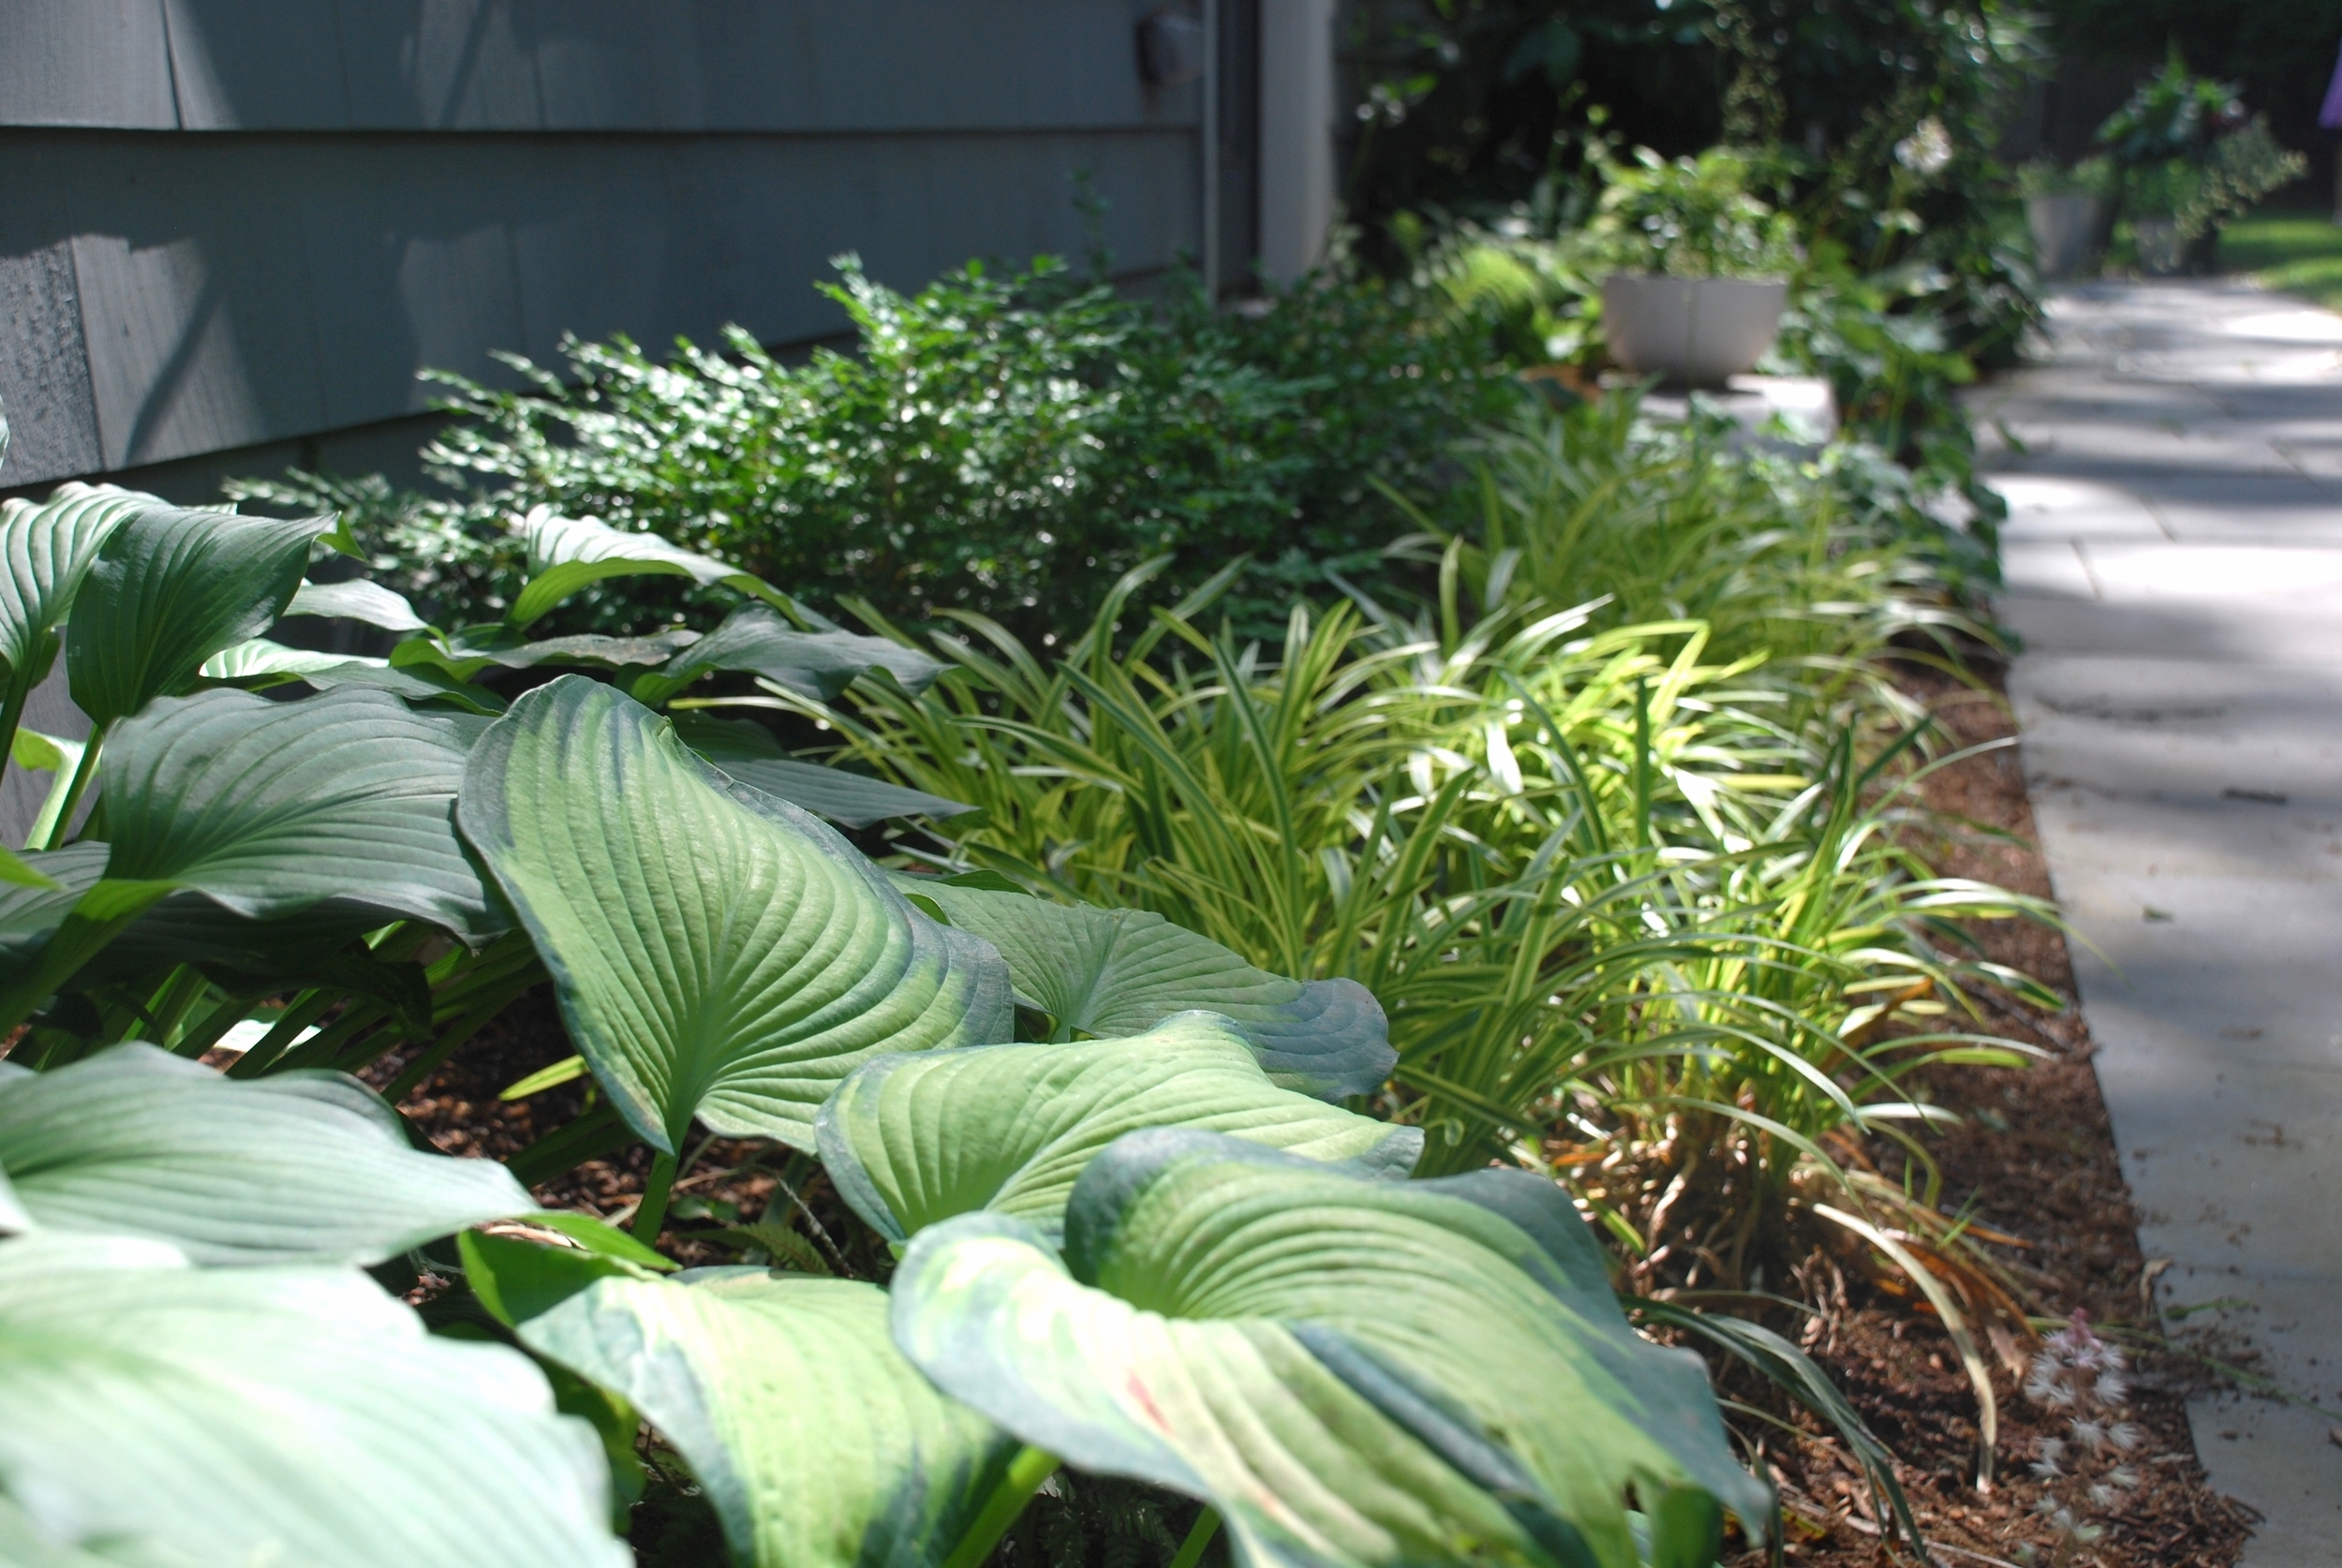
(2065, 231)
(1692, 332)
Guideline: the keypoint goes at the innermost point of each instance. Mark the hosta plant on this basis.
(1148, 1222)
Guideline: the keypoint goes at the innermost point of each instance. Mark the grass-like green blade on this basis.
(716, 953)
(818, 1444)
(163, 1414)
(1122, 971)
(913, 1140)
(309, 1167)
(1351, 1370)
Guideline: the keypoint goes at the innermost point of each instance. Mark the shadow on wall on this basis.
(657, 168)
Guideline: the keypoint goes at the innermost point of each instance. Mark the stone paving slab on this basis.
(2174, 568)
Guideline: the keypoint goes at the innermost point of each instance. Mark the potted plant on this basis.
(2189, 157)
(2068, 211)
(1696, 266)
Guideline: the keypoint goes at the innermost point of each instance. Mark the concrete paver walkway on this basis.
(2174, 566)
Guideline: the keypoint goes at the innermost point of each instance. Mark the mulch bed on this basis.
(2034, 1159)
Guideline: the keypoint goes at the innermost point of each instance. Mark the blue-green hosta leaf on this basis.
(567, 554)
(259, 664)
(164, 1414)
(747, 751)
(819, 1446)
(16, 871)
(170, 588)
(308, 1167)
(1121, 972)
(715, 952)
(587, 648)
(356, 599)
(1351, 1371)
(29, 914)
(270, 808)
(814, 664)
(912, 1140)
(46, 548)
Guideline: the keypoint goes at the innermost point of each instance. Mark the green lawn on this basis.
(2299, 252)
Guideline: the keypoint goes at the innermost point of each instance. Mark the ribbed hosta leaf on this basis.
(1121, 972)
(163, 1414)
(912, 1140)
(46, 548)
(716, 952)
(260, 664)
(747, 752)
(567, 554)
(308, 1167)
(1351, 1371)
(170, 588)
(29, 914)
(271, 808)
(356, 601)
(816, 664)
(818, 1444)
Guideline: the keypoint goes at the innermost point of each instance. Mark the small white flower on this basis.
(2126, 1435)
(2113, 1388)
(2122, 1476)
(1927, 151)
(2090, 1434)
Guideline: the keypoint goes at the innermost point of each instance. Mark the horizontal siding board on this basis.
(44, 359)
(257, 65)
(85, 62)
(236, 290)
(195, 294)
(675, 65)
(412, 263)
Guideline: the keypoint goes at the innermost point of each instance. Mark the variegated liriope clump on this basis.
(2089, 1470)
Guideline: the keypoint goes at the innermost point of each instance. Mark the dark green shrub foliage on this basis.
(1001, 443)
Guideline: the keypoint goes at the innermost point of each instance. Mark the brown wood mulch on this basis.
(2032, 1159)
(2035, 1159)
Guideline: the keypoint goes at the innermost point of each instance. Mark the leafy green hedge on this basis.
(1007, 445)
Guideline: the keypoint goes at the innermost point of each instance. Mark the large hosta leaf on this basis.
(814, 664)
(272, 808)
(260, 664)
(747, 752)
(306, 1167)
(567, 554)
(1353, 1371)
(170, 588)
(29, 914)
(912, 1140)
(716, 952)
(46, 549)
(1121, 971)
(356, 599)
(163, 1414)
(819, 1446)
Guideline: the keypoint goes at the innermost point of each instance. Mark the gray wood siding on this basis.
(233, 222)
